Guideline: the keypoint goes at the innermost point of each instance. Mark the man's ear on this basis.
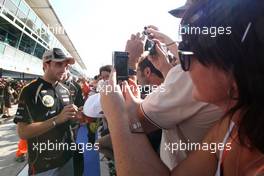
(147, 72)
(45, 66)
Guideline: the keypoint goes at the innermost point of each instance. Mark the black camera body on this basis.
(120, 63)
(150, 47)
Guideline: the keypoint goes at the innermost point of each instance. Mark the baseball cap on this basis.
(92, 107)
(56, 55)
(179, 12)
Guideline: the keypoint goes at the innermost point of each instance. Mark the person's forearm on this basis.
(133, 152)
(27, 131)
(173, 49)
(132, 64)
(165, 69)
(148, 127)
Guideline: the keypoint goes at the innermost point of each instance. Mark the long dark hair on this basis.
(240, 53)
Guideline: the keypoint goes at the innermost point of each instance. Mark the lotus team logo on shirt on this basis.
(48, 101)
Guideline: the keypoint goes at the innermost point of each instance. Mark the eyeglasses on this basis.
(185, 60)
(185, 55)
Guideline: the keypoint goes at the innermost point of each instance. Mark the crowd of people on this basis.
(9, 92)
(211, 112)
(188, 108)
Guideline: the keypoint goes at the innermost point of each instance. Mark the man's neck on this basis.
(53, 82)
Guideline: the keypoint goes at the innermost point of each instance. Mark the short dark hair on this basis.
(106, 68)
(96, 77)
(144, 63)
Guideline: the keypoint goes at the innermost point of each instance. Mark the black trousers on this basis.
(78, 163)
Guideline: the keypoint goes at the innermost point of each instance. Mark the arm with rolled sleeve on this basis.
(172, 102)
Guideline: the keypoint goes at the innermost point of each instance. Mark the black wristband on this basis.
(132, 72)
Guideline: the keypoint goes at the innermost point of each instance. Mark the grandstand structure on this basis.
(27, 29)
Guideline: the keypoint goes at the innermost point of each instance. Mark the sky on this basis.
(99, 27)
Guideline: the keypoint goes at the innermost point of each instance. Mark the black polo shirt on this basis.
(38, 102)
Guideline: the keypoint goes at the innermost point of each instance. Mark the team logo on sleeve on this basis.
(48, 101)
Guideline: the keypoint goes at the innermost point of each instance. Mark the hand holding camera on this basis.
(154, 33)
(150, 43)
(120, 63)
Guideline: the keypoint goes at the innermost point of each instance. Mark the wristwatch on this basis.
(132, 72)
(136, 127)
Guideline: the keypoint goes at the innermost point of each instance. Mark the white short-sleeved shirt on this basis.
(172, 108)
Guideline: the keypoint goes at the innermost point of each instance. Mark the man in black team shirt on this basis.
(43, 115)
